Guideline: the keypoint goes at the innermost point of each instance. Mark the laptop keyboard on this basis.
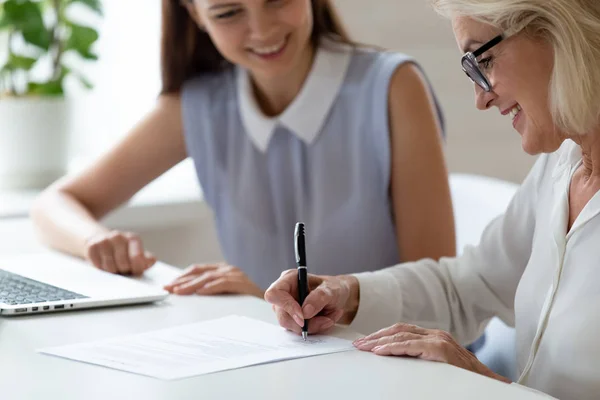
(16, 290)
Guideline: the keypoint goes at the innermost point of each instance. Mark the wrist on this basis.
(350, 305)
(93, 233)
(90, 237)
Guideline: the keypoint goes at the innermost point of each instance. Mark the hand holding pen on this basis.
(331, 299)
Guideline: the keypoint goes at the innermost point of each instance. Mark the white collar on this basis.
(306, 114)
(569, 155)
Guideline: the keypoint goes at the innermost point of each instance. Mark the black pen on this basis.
(300, 247)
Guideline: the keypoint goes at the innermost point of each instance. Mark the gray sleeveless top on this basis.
(325, 161)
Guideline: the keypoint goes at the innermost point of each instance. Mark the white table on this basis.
(25, 374)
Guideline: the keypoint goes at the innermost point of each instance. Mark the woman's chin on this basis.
(529, 146)
(535, 147)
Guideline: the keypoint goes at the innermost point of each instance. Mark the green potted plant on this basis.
(40, 39)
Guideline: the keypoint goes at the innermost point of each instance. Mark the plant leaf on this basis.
(94, 5)
(85, 81)
(26, 17)
(6, 68)
(90, 56)
(81, 40)
(37, 37)
(4, 21)
(65, 70)
(20, 62)
(52, 88)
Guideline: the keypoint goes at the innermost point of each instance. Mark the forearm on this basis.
(63, 223)
(450, 295)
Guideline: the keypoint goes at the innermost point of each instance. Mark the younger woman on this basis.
(286, 120)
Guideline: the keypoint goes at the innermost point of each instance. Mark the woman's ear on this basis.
(193, 11)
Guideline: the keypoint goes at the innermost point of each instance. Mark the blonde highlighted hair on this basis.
(572, 27)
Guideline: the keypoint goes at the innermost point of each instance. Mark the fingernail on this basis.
(308, 310)
(359, 340)
(299, 320)
(375, 349)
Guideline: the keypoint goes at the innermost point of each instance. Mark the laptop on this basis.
(51, 282)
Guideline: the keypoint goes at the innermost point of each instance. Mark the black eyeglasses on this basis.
(471, 66)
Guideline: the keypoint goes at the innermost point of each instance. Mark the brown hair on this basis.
(188, 51)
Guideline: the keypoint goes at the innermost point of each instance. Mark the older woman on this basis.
(537, 266)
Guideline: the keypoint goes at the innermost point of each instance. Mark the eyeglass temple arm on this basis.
(489, 45)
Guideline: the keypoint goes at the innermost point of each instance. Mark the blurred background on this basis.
(126, 82)
(127, 79)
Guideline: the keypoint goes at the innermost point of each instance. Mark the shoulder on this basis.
(396, 76)
(407, 81)
(378, 57)
(376, 63)
(371, 71)
(409, 93)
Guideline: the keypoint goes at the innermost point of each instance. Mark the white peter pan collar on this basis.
(307, 113)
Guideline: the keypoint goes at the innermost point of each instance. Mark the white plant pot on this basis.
(34, 139)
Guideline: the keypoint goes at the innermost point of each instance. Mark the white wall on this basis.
(127, 77)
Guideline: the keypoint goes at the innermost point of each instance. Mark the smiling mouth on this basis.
(514, 111)
(269, 50)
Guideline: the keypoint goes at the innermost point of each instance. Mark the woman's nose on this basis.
(261, 26)
(483, 99)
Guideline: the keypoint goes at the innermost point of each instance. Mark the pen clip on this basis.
(299, 245)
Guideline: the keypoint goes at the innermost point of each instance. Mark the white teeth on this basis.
(514, 111)
(269, 50)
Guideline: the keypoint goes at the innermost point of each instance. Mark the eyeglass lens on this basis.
(475, 74)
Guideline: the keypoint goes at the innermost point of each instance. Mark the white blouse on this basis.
(527, 270)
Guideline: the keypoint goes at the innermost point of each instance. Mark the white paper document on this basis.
(200, 348)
